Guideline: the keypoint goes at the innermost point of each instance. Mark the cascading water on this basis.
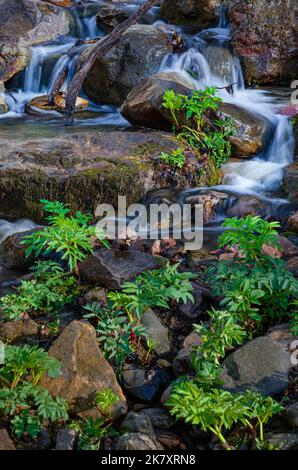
(209, 61)
(212, 63)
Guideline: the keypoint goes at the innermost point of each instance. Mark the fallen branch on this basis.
(101, 47)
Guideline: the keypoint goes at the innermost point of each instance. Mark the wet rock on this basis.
(182, 364)
(288, 248)
(143, 105)
(61, 3)
(3, 104)
(159, 417)
(65, 439)
(167, 438)
(192, 340)
(292, 414)
(145, 385)
(137, 54)
(261, 364)
(247, 205)
(43, 440)
(251, 133)
(264, 36)
(26, 23)
(192, 309)
(290, 182)
(84, 372)
(212, 201)
(110, 268)
(157, 331)
(40, 103)
(292, 265)
(137, 441)
(283, 335)
(138, 422)
(293, 223)
(196, 14)
(83, 169)
(110, 15)
(13, 252)
(283, 441)
(5, 442)
(18, 330)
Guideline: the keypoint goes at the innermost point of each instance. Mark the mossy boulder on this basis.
(87, 169)
(197, 14)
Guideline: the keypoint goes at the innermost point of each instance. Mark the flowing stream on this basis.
(208, 61)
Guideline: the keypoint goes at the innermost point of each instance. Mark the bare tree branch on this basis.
(101, 47)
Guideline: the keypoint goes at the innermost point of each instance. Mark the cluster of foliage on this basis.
(197, 120)
(118, 324)
(91, 431)
(175, 160)
(67, 235)
(114, 332)
(257, 289)
(21, 397)
(153, 289)
(48, 292)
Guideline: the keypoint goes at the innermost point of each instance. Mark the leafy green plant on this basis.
(21, 396)
(250, 235)
(114, 332)
(91, 431)
(218, 410)
(105, 400)
(214, 410)
(31, 406)
(47, 292)
(27, 362)
(294, 318)
(66, 234)
(197, 120)
(218, 337)
(153, 289)
(175, 160)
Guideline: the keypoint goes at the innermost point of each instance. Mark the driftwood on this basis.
(101, 47)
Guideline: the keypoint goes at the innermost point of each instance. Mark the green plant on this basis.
(214, 410)
(66, 234)
(294, 318)
(91, 431)
(114, 332)
(173, 103)
(221, 335)
(198, 121)
(250, 235)
(256, 293)
(261, 410)
(175, 160)
(153, 289)
(105, 400)
(27, 362)
(47, 292)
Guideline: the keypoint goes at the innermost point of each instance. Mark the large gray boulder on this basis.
(137, 54)
(26, 23)
(261, 364)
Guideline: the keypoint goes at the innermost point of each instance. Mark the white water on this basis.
(264, 171)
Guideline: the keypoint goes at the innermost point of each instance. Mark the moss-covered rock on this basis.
(87, 169)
